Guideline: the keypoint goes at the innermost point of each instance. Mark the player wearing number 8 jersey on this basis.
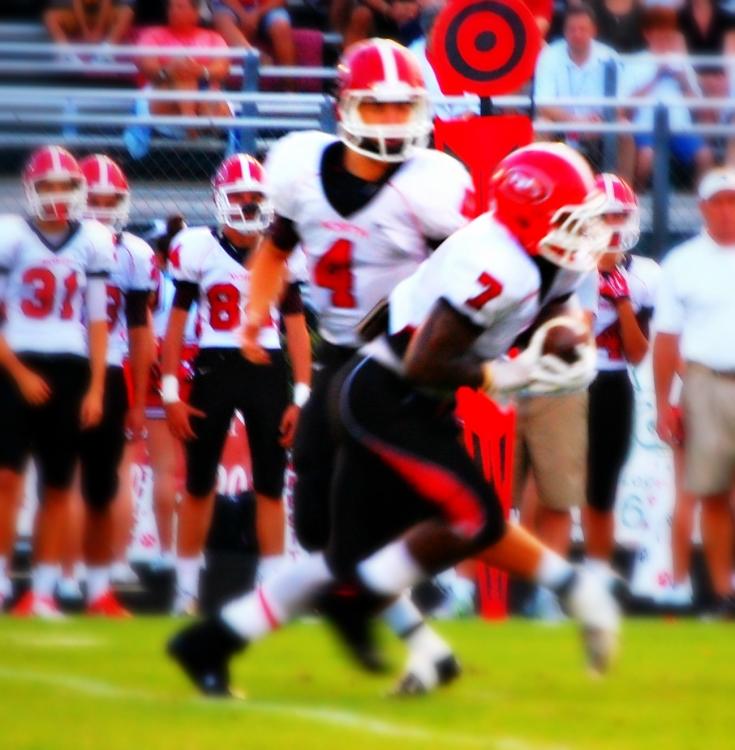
(212, 267)
(129, 291)
(54, 269)
(368, 207)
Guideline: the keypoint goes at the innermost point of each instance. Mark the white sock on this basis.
(3, 567)
(403, 616)
(267, 567)
(98, 582)
(44, 578)
(426, 643)
(187, 576)
(553, 570)
(598, 567)
(283, 596)
(391, 570)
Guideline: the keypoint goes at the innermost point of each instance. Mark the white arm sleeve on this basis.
(96, 298)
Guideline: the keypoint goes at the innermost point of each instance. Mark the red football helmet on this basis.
(621, 210)
(381, 70)
(53, 164)
(241, 173)
(105, 179)
(545, 195)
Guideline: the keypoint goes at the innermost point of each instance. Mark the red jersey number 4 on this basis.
(334, 272)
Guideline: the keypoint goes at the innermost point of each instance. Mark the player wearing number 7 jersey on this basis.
(213, 268)
(368, 207)
(53, 269)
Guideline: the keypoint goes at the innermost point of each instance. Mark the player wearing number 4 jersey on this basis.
(213, 268)
(54, 270)
(368, 208)
(402, 473)
(128, 296)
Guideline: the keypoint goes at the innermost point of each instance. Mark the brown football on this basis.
(562, 340)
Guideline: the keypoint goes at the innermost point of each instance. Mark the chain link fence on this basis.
(170, 160)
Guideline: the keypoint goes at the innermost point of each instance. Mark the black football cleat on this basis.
(350, 615)
(203, 650)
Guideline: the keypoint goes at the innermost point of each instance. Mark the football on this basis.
(562, 340)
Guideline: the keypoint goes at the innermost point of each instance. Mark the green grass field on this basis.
(96, 685)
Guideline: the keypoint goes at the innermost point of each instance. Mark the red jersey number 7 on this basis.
(491, 288)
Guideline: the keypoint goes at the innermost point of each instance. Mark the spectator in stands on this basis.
(666, 81)
(184, 73)
(362, 19)
(577, 66)
(248, 22)
(93, 21)
(693, 320)
(620, 24)
(705, 25)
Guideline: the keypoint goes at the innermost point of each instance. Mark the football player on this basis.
(129, 291)
(52, 379)
(627, 286)
(212, 267)
(165, 452)
(368, 207)
(403, 473)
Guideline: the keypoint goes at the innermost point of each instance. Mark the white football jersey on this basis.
(643, 275)
(198, 256)
(46, 284)
(484, 274)
(134, 271)
(355, 261)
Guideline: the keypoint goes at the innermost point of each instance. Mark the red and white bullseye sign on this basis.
(484, 47)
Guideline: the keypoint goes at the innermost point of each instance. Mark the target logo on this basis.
(485, 47)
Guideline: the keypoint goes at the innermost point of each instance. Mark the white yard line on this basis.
(327, 716)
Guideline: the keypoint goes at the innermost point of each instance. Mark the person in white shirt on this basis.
(694, 317)
(645, 77)
(576, 66)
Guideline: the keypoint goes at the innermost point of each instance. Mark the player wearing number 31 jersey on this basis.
(53, 270)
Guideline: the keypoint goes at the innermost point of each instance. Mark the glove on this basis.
(508, 375)
(614, 285)
(553, 375)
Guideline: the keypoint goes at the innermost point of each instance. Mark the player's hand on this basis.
(33, 387)
(135, 423)
(289, 422)
(251, 349)
(91, 411)
(554, 375)
(614, 286)
(178, 416)
(669, 425)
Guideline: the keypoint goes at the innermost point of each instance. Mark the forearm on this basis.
(173, 341)
(97, 354)
(141, 356)
(218, 70)
(635, 343)
(150, 67)
(8, 359)
(267, 278)
(665, 363)
(299, 348)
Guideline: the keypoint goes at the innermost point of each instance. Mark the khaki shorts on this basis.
(708, 402)
(551, 442)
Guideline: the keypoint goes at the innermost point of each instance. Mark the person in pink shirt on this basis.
(184, 73)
